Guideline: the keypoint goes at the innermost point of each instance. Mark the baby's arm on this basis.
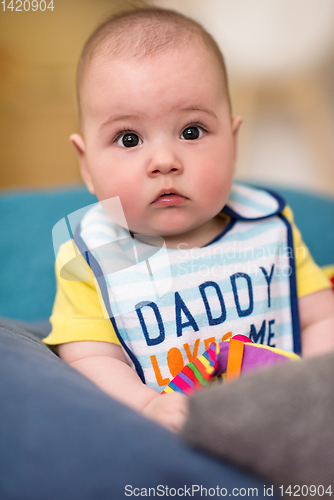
(317, 322)
(105, 364)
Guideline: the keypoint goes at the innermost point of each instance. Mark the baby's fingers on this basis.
(169, 410)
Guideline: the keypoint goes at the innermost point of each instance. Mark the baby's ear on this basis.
(236, 122)
(80, 147)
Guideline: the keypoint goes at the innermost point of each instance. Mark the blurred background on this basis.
(280, 58)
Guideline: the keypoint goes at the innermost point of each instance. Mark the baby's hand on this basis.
(169, 410)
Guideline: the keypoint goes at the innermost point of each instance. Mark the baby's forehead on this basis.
(105, 57)
(142, 32)
(103, 60)
(126, 82)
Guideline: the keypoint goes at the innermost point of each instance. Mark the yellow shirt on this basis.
(77, 312)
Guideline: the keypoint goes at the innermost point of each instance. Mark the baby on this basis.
(157, 132)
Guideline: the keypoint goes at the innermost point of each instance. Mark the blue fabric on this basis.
(26, 254)
(27, 277)
(63, 438)
(314, 217)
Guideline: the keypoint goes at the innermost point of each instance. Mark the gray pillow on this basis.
(277, 422)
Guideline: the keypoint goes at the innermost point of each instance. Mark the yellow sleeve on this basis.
(77, 312)
(328, 271)
(310, 278)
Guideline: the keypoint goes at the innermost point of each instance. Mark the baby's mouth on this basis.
(169, 198)
(166, 195)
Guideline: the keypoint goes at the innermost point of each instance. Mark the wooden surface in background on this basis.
(38, 57)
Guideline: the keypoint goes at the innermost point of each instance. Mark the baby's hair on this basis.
(139, 32)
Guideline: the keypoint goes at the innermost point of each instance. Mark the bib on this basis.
(168, 305)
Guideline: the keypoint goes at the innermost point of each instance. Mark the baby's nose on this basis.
(165, 161)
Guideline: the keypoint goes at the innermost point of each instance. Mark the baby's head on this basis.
(156, 118)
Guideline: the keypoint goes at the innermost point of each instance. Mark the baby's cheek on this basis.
(217, 185)
(110, 187)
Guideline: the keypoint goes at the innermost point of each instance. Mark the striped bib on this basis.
(168, 305)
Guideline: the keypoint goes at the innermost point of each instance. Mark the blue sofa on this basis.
(26, 252)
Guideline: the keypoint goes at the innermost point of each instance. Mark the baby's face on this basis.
(154, 126)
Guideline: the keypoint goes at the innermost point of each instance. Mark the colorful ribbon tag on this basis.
(197, 373)
(224, 362)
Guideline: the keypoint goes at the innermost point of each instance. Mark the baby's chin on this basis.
(174, 224)
(172, 230)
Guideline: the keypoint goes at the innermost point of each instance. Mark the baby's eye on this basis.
(128, 140)
(192, 133)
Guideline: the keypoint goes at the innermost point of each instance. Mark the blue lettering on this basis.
(222, 317)
(268, 280)
(249, 310)
(149, 340)
(180, 306)
(271, 334)
(253, 335)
